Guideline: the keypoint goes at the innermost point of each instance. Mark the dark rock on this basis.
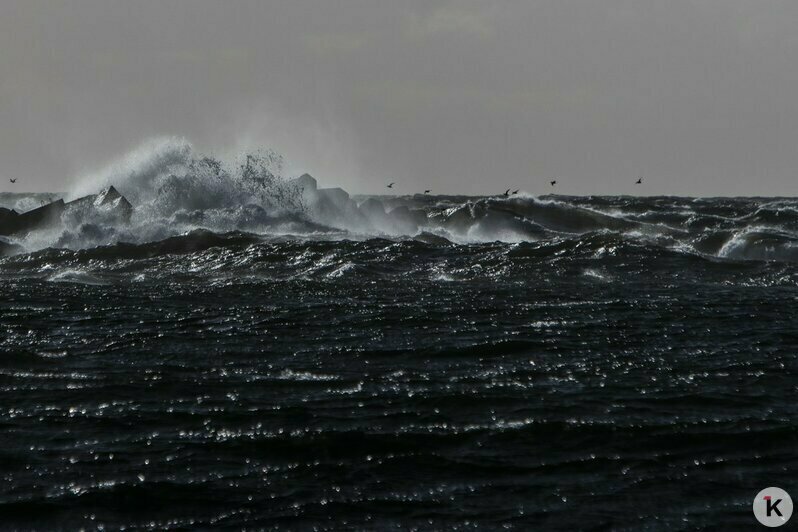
(109, 196)
(7, 249)
(337, 196)
(306, 182)
(431, 238)
(8, 220)
(37, 218)
(307, 188)
(109, 201)
(334, 207)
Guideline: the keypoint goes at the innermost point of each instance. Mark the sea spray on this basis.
(175, 191)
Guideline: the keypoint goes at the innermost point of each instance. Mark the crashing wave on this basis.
(165, 191)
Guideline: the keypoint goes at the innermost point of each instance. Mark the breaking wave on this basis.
(184, 202)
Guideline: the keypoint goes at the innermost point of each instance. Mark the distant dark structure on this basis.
(335, 205)
(109, 201)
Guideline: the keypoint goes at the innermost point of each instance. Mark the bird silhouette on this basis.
(515, 192)
(13, 180)
(426, 191)
(639, 181)
(507, 192)
(390, 185)
(553, 182)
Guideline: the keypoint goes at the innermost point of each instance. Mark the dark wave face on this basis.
(524, 363)
(236, 380)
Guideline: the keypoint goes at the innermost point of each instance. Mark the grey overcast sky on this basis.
(700, 97)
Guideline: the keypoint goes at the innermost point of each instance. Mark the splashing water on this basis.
(176, 191)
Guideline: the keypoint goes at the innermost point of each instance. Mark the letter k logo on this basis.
(772, 506)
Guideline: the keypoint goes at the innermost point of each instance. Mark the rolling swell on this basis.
(389, 397)
(723, 257)
(757, 234)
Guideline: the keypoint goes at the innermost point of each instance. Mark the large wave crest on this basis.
(176, 191)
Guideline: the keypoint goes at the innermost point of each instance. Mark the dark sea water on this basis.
(616, 363)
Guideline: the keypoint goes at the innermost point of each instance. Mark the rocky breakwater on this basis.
(334, 207)
(108, 203)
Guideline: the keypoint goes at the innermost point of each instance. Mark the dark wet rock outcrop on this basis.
(335, 207)
(107, 202)
(7, 249)
(7, 216)
(13, 223)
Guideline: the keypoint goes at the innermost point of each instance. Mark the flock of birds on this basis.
(506, 192)
(509, 192)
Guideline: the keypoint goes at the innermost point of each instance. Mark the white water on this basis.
(175, 190)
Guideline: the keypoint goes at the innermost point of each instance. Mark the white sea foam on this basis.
(175, 190)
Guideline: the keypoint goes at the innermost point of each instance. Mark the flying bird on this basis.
(13, 180)
(426, 192)
(390, 185)
(639, 181)
(515, 192)
(507, 192)
(553, 182)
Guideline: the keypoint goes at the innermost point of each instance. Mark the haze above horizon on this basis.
(463, 97)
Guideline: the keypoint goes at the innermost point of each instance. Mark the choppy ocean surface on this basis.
(524, 363)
